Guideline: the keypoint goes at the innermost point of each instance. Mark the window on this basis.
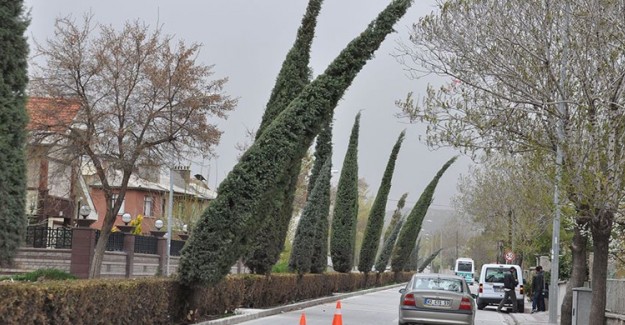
(494, 275)
(148, 204)
(115, 198)
(465, 267)
(443, 284)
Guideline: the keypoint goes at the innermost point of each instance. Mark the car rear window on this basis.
(443, 284)
(465, 266)
(494, 275)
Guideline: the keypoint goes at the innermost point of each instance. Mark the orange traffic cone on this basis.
(302, 319)
(338, 316)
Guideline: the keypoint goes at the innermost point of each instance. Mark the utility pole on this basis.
(555, 240)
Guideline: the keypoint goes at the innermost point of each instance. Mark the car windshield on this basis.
(494, 275)
(443, 284)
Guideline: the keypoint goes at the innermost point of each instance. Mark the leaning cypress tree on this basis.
(387, 249)
(323, 152)
(428, 260)
(375, 222)
(221, 234)
(346, 207)
(412, 227)
(314, 212)
(13, 119)
(277, 209)
(397, 214)
(413, 259)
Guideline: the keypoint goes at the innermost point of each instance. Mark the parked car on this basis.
(490, 290)
(436, 299)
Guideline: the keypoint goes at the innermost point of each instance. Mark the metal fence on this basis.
(115, 242)
(146, 245)
(45, 237)
(176, 246)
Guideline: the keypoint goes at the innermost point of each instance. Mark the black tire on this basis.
(481, 306)
(521, 308)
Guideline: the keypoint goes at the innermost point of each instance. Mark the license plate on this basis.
(436, 302)
(497, 289)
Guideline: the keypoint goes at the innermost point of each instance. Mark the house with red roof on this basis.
(58, 185)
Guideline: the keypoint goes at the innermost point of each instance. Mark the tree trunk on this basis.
(578, 274)
(601, 227)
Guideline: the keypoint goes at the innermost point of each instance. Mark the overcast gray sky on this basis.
(247, 41)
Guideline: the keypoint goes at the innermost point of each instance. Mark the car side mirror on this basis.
(474, 296)
(402, 290)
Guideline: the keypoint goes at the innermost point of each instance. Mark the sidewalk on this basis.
(527, 318)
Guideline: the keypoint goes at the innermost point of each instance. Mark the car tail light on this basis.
(481, 288)
(465, 304)
(409, 300)
(521, 290)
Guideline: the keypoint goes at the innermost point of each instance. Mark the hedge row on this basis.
(164, 301)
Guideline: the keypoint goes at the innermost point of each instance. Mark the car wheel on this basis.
(481, 306)
(521, 307)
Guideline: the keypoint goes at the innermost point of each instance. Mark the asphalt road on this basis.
(378, 308)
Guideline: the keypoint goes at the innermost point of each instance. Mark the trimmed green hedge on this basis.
(165, 301)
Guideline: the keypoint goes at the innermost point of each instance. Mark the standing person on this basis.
(509, 284)
(538, 284)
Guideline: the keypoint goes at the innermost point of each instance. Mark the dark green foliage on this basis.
(375, 222)
(323, 152)
(346, 207)
(387, 248)
(40, 275)
(428, 260)
(314, 213)
(222, 233)
(397, 214)
(13, 120)
(277, 209)
(413, 259)
(410, 231)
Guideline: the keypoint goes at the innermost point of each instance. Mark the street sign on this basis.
(509, 256)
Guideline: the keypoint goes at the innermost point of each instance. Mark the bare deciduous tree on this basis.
(144, 100)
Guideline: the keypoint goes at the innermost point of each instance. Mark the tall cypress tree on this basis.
(412, 227)
(221, 234)
(13, 120)
(413, 259)
(346, 207)
(397, 214)
(323, 152)
(314, 212)
(387, 248)
(277, 207)
(375, 222)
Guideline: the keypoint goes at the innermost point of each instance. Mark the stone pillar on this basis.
(162, 253)
(83, 246)
(129, 248)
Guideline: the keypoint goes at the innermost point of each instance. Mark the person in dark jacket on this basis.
(509, 284)
(538, 285)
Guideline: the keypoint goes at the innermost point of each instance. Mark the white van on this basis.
(465, 267)
(490, 291)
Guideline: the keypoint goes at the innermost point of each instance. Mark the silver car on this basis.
(436, 299)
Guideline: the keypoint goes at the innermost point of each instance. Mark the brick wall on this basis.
(30, 259)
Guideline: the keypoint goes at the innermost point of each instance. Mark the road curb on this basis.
(295, 306)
